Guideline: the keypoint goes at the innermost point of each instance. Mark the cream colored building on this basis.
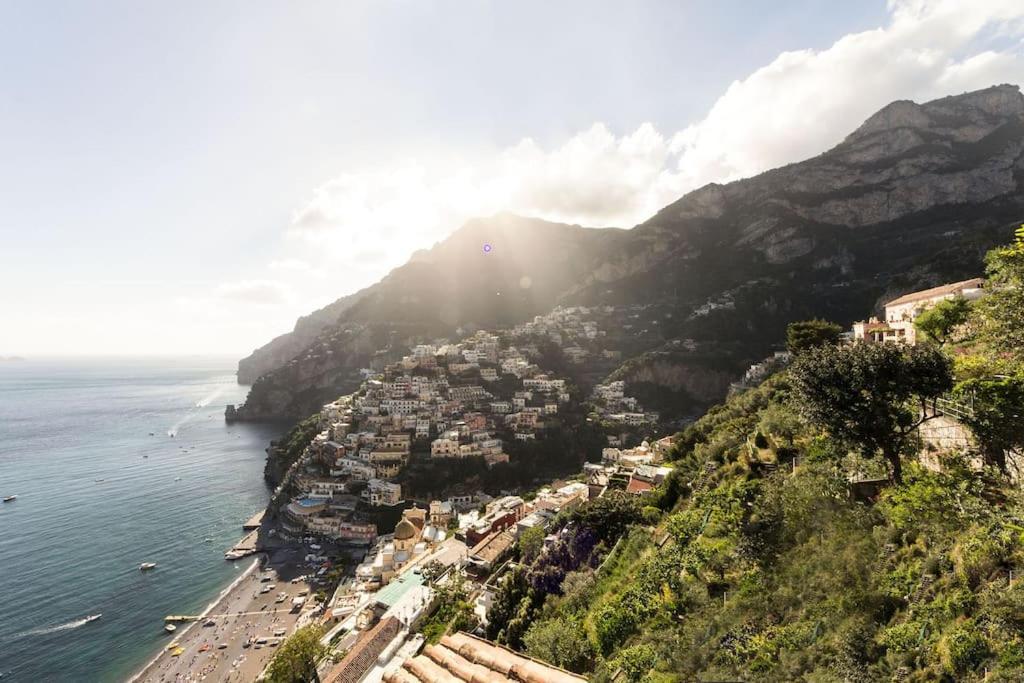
(900, 313)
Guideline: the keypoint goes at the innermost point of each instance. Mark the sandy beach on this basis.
(241, 614)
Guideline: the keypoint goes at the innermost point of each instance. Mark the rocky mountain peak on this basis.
(964, 118)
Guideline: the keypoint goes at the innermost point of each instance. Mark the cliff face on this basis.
(912, 198)
(453, 288)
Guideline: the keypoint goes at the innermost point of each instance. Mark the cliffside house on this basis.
(900, 313)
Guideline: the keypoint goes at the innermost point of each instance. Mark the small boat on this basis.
(146, 566)
(152, 433)
(10, 499)
(100, 481)
(93, 617)
(177, 479)
(170, 628)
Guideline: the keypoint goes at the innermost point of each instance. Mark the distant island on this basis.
(10, 359)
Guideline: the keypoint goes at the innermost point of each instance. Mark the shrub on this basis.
(637, 661)
(963, 648)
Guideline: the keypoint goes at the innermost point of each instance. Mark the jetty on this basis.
(247, 546)
(254, 522)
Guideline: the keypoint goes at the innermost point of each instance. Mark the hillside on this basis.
(784, 546)
(912, 198)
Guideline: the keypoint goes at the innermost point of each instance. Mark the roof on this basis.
(364, 653)
(638, 486)
(393, 592)
(462, 657)
(405, 530)
(934, 292)
(493, 546)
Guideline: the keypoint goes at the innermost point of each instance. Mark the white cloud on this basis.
(225, 299)
(800, 104)
(261, 292)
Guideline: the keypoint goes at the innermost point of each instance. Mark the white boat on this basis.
(93, 617)
(146, 566)
(170, 628)
(10, 499)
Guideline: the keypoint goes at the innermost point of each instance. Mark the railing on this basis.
(960, 408)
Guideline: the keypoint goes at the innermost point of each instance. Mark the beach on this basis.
(245, 612)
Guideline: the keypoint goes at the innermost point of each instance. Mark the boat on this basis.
(10, 499)
(170, 628)
(93, 617)
(146, 566)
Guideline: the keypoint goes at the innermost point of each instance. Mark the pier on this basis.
(254, 522)
(247, 546)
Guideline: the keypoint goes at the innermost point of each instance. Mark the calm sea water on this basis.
(97, 495)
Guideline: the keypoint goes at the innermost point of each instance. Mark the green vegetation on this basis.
(871, 395)
(809, 334)
(453, 613)
(941, 321)
(296, 658)
(285, 452)
(752, 562)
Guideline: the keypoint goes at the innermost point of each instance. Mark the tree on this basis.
(1002, 310)
(942, 319)
(562, 642)
(530, 543)
(295, 661)
(608, 516)
(997, 406)
(873, 395)
(808, 334)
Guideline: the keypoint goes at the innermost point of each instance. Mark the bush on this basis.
(637, 661)
(561, 642)
(963, 648)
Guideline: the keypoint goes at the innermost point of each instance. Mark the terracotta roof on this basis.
(462, 658)
(638, 486)
(364, 653)
(942, 290)
(493, 546)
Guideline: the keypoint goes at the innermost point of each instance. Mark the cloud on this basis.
(294, 265)
(225, 298)
(806, 101)
(261, 292)
(802, 103)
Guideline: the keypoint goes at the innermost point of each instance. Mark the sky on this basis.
(190, 177)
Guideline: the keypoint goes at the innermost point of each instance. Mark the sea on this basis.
(116, 462)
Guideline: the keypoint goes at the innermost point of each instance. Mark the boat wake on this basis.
(77, 623)
(203, 403)
(209, 399)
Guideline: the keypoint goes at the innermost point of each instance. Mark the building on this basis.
(441, 513)
(900, 313)
(380, 492)
(489, 552)
(501, 514)
(363, 655)
(462, 658)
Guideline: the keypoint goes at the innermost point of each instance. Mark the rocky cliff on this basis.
(912, 198)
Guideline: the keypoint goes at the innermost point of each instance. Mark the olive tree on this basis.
(808, 334)
(871, 395)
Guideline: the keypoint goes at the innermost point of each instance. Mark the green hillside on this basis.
(758, 561)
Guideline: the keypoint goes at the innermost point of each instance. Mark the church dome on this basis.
(405, 530)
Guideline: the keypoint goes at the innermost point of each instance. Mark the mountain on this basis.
(912, 198)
